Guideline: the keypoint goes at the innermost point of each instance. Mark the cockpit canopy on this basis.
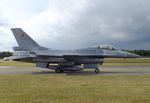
(106, 47)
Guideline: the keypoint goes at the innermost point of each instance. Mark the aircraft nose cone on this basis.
(131, 55)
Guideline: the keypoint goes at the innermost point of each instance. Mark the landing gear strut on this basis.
(97, 70)
(58, 70)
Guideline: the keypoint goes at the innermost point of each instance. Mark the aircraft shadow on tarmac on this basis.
(85, 73)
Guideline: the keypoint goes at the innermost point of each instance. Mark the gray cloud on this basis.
(76, 24)
(122, 23)
(3, 22)
(5, 38)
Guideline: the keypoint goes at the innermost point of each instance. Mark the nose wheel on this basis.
(97, 70)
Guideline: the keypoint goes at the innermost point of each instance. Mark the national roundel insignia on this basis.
(22, 36)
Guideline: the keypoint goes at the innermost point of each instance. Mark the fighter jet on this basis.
(63, 60)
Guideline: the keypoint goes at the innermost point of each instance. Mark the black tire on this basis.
(61, 71)
(97, 70)
(58, 70)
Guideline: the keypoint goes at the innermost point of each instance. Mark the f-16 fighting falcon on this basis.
(63, 60)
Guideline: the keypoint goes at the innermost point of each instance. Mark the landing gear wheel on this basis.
(97, 70)
(59, 70)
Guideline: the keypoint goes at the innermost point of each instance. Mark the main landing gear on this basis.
(97, 70)
(58, 70)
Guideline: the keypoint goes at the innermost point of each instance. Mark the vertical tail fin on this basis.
(24, 40)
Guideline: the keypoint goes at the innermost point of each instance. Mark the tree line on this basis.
(140, 52)
(5, 54)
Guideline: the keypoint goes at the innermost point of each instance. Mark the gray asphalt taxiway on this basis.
(105, 70)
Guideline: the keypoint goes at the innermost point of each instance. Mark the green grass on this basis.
(15, 63)
(63, 88)
(127, 62)
(59, 88)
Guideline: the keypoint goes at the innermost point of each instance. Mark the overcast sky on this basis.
(70, 24)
